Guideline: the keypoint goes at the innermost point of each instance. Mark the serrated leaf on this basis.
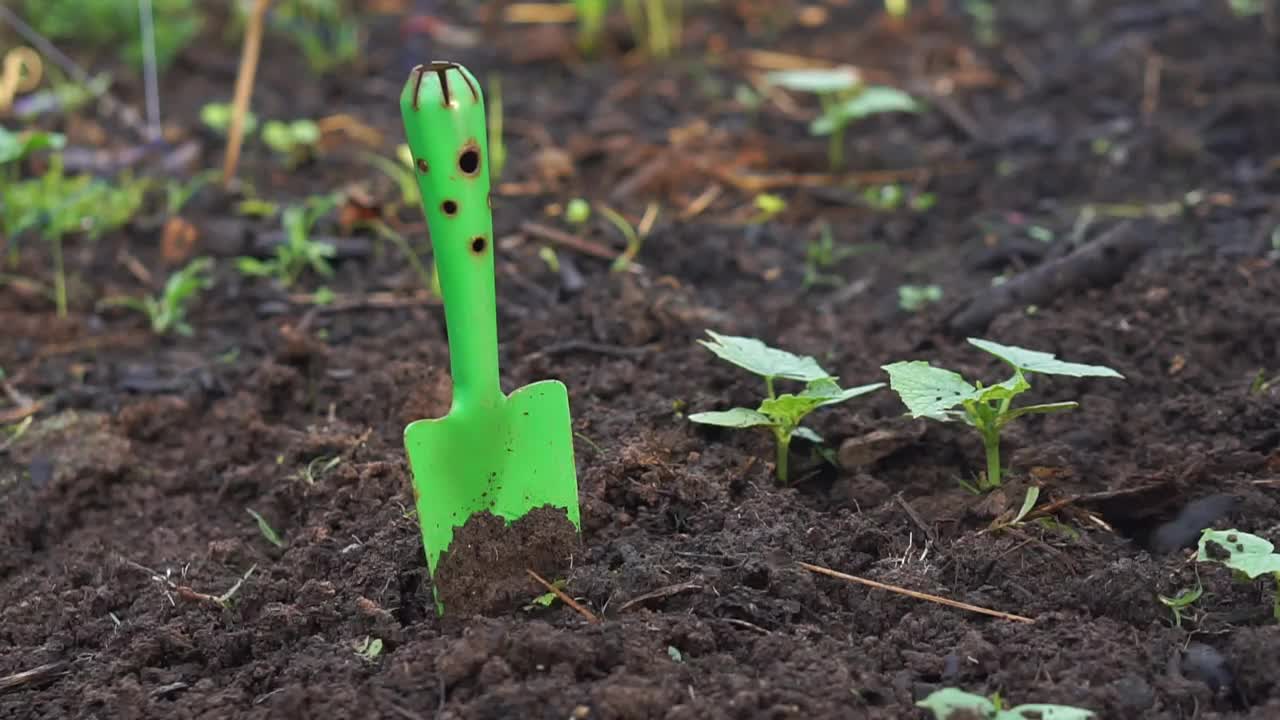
(816, 80)
(753, 355)
(929, 391)
(942, 703)
(1034, 361)
(831, 393)
(790, 408)
(1040, 711)
(1248, 554)
(737, 418)
(1004, 390)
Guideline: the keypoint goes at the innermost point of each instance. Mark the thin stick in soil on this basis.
(564, 598)
(34, 676)
(244, 89)
(914, 594)
(564, 239)
(1099, 262)
(186, 592)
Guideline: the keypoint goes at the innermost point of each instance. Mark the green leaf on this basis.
(15, 146)
(942, 703)
(1028, 502)
(1043, 408)
(737, 417)
(753, 355)
(789, 409)
(877, 99)
(807, 434)
(1045, 363)
(930, 391)
(267, 531)
(816, 80)
(1247, 553)
(1040, 711)
(830, 393)
(1010, 388)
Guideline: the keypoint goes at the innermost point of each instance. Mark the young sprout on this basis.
(634, 235)
(913, 298)
(780, 413)
(844, 99)
(945, 396)
(770, 206)
(298, 252)
(1247, 555)
(1180, 602)
(658, 22)
(294, 141)
(591, 17)
(217, 117)
(951, 702)
(578, 211)
(167, 312)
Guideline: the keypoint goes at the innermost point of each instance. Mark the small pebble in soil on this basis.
(484, 571)
(1184, 530)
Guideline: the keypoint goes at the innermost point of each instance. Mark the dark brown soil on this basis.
(485, 569)
(123, 507)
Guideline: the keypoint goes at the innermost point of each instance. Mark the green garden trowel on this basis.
(507, 454)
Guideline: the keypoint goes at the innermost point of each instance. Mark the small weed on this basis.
(948, 701)
(547, 599)
(634, 235)
(782, 414)
(770, 206)
(913, 298)
(267, 531)
(824, 253)
(935, 393)
(368, 649)
(15, 147)
(298, 252)
(1179, 603)
(167, 312)
(656, 24)
(578, 212)
(319, 467)
(217, 117)
(591, 17)
(1248, 556)
(294, 141)
(844, 99)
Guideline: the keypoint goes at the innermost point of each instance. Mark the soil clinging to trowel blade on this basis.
(484, 571)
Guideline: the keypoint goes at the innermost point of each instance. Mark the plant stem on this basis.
(59, 277)
(784, 455)
(1275, 599)
(991, 441)
(835, 151)
(768, 383)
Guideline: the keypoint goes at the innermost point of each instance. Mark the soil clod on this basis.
(485, 570)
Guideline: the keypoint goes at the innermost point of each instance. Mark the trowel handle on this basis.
(444, 118)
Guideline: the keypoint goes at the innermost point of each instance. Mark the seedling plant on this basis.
(298, 252)
(782, 413)
(943, 395)
(294, 141)
(1248, 556)
(591, 17)
(947, 701)
(167, 312)
(844, 99)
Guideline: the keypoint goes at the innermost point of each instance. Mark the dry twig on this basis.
(914, 594)
(564, 597)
